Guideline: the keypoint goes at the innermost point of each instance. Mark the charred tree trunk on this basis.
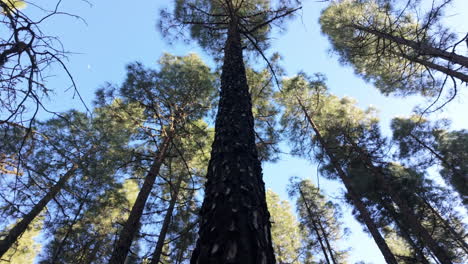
(353, 195)
(130, 227)
(234, 220)
(167, 221)
(22, 225)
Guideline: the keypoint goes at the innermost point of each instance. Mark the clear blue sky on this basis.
(119, 32)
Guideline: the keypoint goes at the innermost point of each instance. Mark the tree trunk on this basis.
(421, 48)
(130, 227)
(22, 225)
(167, 221)
(406, 212)
(355, 198)
(405, 233)
(327, 242)
(234, 220)
(315, 227)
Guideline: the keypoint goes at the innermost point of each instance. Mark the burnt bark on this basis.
(22, 225)
(234, 220)
(353, 195)
(166, 222)
(130, 227)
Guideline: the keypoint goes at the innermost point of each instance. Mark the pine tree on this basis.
(234, 225)
(288, 240)
(431, 143)
(172, 98)
(320, 218)
(305, 98)
(391, 48)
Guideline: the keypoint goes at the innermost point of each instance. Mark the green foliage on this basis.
(208, 21)
(285, 233)
(265, 113)
(427, 143)
(26, 248)
(318, 219)
(382, 61)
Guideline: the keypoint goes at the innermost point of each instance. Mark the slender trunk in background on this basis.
(315, 227)
(167, 221)
(353, 195)
(234, 220)
(69, 229)
(408, 215)
(22, 225)
(130, 227)
(327, 242)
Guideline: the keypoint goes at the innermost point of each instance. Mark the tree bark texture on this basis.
(22, 225)
(234, 220)
(131, 226)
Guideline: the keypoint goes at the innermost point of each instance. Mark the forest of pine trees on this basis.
(165, 165)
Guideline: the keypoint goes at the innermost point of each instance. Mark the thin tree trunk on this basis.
(69, 230)
(315, 227)
(234, 220)
(355, 198)
(22, 225)
(421, 48)
(327, 242)
(407, 213)
(130, 227)
(167, 221)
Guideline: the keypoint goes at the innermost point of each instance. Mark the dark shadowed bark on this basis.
(22, 225)
(130, 227)
(353, 195)
(234, 220)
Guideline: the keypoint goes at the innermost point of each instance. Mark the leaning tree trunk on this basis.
(405, 232)
(408, 215)
(420, 47)
(234, 220)
(22, 225)
(130, 227)
(355, 197)
(167, 221)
